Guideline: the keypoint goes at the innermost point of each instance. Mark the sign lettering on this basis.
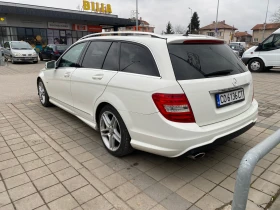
(97, 7)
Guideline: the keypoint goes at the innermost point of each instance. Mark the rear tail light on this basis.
(174, 107)
(56, 52)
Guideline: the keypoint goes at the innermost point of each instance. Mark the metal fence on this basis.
(246, 167)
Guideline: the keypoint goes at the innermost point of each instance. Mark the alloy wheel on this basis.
(42, 94)
(110, 131)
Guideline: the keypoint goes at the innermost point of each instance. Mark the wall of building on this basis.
(35, 31)
(224, 34)
(258, 34)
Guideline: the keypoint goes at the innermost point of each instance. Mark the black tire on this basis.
(12, 60)
(124, 147)
(40, 57)
(35, 61)
(46, 100)
(256, 65)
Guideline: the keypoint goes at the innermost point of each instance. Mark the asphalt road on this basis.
(18, 82)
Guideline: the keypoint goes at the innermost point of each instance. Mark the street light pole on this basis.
(191, 21)
(216, 32)
(264, 25)
(136, 15)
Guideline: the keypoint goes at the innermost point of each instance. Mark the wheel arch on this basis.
(119, 108)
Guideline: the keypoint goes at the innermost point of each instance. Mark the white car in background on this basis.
(167, 96)
(265, 56)
(20, 51)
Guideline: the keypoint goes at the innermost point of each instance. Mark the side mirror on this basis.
(260, 44)
(50, 65)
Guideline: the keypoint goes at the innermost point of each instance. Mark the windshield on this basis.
(235, 47)
(197, 61)
(62, 47)
(21, 46)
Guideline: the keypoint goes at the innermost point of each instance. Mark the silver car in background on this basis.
(20, 51)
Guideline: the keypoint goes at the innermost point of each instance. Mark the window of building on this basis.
(210, 33)
(96, 54)
(256, 39)
(137, 59)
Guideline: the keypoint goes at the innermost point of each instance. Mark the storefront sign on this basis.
(3, 21)
(90, 28)
(57, 25)
(97, 7)
(95, 29)
(78, 27)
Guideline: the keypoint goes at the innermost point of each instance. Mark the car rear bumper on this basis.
(154, 134)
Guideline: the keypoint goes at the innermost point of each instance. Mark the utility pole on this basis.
(137, 15)
(216, 32)
(264, 25)
(191, 21)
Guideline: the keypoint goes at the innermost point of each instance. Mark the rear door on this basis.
(216, 83)
(100, 64)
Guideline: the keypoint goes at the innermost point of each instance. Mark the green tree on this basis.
(169, 29)
(193, 27)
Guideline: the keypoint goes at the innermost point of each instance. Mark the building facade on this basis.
(40, 26)
(224, 31)
(259, 34)
(242, 37)
(144, 26)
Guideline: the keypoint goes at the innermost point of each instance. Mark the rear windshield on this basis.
(62, 47)
(197, 61)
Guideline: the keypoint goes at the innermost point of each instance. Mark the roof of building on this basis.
(267, 26)
(32, 10)
(220, 25)
(241, 34)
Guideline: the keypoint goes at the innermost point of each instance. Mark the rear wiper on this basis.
(217, 73)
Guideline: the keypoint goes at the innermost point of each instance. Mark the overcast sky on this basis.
(243, 14)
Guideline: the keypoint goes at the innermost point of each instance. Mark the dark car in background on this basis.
(52, 51)
(238, 47)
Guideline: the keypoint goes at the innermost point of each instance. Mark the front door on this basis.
(99, 66)
(270, 51)
(59, 78)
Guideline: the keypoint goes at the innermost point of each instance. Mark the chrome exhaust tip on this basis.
(197, 156)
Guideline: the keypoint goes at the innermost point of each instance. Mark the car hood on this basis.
(23, 51)
(252, 49)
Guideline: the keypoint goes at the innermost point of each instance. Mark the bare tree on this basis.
(275, 18)
(180, 29)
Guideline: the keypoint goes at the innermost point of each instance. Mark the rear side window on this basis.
(137, 59)
(96, 54)
(197, 61)
(112, 59)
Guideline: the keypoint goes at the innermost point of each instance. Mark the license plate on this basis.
(230, 97)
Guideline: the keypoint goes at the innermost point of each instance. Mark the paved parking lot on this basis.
(51, 160)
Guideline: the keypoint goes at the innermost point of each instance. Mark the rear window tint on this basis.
(197, 61)
(138, 60)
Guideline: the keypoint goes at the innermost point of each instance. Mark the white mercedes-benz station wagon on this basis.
(164, 95)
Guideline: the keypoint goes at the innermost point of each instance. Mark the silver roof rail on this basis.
(123, 33)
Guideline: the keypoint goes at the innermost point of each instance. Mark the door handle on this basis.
(67, 74)
(98, 76)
